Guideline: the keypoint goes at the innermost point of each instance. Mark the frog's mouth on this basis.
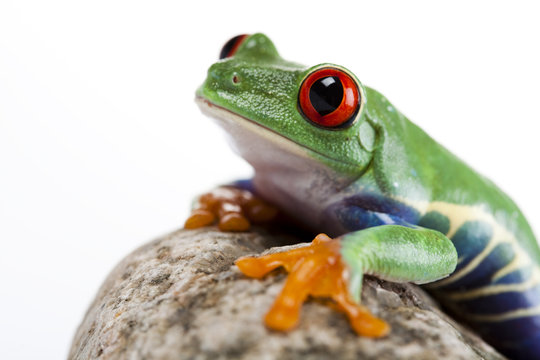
(237, 126)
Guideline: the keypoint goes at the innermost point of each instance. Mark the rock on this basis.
(181, 297)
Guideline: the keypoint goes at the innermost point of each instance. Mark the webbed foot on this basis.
(234, 209)
(315, 270)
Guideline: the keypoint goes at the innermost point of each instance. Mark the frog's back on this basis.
(496, 285)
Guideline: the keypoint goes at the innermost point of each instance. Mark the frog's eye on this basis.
(231, 46)
(329, 97)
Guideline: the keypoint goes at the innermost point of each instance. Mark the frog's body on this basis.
(380, 179)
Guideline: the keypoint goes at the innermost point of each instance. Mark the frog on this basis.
(337, 158)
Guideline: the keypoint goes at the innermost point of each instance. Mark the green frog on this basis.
(337, 158)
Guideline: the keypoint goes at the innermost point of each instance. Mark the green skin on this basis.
(301, 166)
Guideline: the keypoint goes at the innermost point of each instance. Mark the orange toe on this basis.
(199, 218)
(361, 320)
(256, 267)
(282, 318)
(233, 222)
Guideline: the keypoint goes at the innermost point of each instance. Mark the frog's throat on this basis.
(220, 113)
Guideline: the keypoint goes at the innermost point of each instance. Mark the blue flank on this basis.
(513, 337)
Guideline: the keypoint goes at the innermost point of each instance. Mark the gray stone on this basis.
(181, 297)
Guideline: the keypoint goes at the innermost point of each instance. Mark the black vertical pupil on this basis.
(229, 45)
(326, 94)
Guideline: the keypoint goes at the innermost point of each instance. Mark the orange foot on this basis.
(315, 270)
(233, 208)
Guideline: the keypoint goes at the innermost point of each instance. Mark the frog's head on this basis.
(282, 114)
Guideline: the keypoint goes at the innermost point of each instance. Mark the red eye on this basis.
(329, 97)
(231, 46)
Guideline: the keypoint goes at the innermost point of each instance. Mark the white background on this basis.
(102, 146)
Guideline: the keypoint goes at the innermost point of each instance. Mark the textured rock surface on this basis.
(180, 297)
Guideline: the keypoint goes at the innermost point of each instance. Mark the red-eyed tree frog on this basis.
(338, 158)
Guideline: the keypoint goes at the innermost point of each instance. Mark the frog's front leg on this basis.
(234, 207)
(334, 268)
